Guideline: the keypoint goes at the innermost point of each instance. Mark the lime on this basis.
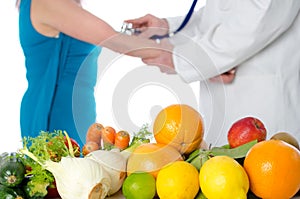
(139, 185)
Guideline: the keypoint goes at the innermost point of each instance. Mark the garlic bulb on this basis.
(115, 165)
(79, 178)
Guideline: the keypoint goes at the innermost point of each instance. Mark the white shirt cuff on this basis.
(192, 63)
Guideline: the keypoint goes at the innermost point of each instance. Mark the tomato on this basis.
(122, 140)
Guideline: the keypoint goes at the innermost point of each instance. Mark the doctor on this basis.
(259, 39)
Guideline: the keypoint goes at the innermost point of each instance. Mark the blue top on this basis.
(61, 75)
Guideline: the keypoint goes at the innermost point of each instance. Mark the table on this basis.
(119, 195)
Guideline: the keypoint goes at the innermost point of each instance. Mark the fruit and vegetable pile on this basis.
(178, 164)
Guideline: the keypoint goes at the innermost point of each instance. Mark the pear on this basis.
(286, 137)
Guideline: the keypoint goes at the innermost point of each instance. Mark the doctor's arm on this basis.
(252, 26)
(192, 29)
(150, 25)
(165, 62)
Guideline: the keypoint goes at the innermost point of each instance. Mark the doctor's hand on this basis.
(149, 25)
(164, 60)
(225, 78)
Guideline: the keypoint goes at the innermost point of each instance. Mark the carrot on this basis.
(108, 137)
(94, 133)
(122, 140)
(89, 147)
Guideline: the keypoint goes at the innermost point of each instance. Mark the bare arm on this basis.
(68, 17)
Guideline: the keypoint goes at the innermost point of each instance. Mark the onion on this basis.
(75, 178)
(114, 164)
(79, 178)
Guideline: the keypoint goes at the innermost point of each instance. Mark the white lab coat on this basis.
(261, 39)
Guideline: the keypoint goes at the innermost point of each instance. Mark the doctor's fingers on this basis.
(164, 58)
(225, 78)
(168, 69)
(146, 21)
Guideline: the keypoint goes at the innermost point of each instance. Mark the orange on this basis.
(151, 157)
(179, 125)
(273, 168)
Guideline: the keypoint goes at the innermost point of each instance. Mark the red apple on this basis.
(246, 130)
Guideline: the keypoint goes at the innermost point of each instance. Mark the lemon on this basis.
(139, 185)
(177, 180)
(222, 177)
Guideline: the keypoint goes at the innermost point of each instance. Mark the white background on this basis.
(12, 70)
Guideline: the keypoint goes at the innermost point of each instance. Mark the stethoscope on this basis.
(128, 29)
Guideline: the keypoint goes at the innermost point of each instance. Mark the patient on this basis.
(61, 42)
